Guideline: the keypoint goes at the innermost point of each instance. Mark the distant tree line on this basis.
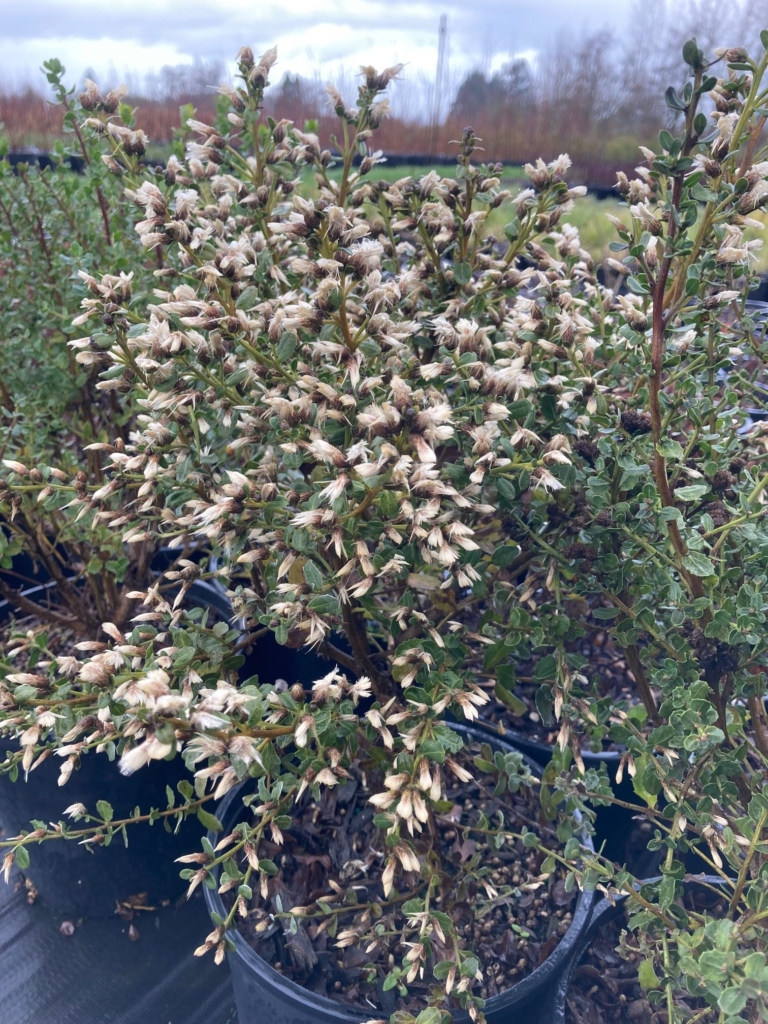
(595, 96)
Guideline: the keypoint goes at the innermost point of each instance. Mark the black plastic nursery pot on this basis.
(24, 572)
(270, 661)
(554, 1011)
(87, 882)
(617, 830)
(542, 752)
(264, 995)
(613, 824)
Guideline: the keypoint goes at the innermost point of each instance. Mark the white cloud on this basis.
(312, 37)
(20, 60)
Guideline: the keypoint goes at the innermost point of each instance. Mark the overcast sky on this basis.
(312, 36)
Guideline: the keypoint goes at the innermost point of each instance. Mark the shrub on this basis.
(430, 455)
(61, 231)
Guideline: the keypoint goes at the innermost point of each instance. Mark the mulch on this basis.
(334, 853)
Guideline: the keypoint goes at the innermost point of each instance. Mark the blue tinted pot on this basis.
(553, 1010)
(613, 824)
(80, 881)
(264, 996)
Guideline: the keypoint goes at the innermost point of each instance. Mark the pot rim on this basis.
(517, 995)
(603, 911)
(539, 748)
(214, 596)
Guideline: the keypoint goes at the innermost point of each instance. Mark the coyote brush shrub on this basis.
(456, 454)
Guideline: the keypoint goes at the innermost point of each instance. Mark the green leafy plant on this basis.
(435, 457)
(62, 228)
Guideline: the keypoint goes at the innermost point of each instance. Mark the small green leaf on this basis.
(105, 810)
(637, 286)
(673, 100)
(698, 564)
(325, 604)
(515, 705)
(667, 891)
(22, 858)
(506, 555)
(286, 347)
(647, 976)
(506, 489)
(692, 286)
(430, 1016)
(462, 272)
(313, 576)
(692, 55)
(606, 613)
(732, 1001)
(520, 409)
(494, 655)
(209, 821)
(691, 493)
(668, 514)
(512, 230)
(645, 782)
(469, 967)
(670, 449)
(248, 299)
(754, 965)
(388, 504)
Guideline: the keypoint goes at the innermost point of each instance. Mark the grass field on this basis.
(511, 176)
(589, 214)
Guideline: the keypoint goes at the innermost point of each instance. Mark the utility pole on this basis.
(437, 99)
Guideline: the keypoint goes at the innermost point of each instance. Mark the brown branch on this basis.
(759, 724)
(256, 731)
(349, 341)
(364, 504)
(749, 152)
(694, 583)
(46, 552)
(23, 604)
(333, 653)
(40, 226)
(100, 195)
(251, 638)
(104, 214)
(382, 686)
(64, 209)
(641, 680)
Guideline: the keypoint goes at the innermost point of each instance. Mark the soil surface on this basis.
(17, 642)
(605, 988)
(334, 853)
(608, 677)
